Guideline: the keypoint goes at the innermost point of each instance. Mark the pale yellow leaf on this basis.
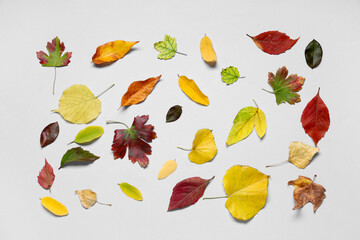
(87, 197)
(168, 168)
(300, 154)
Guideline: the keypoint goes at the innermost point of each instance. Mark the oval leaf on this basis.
(49, 134)
(54, 206)
(131, 191)
(313, 54)
(187, 192)
(112, 51)
(46, 176)
(204, 148)
(168, 168)
(89, 134)
(189, 87)
(138, 91)
(77, 154)
(230, 75)
(174, 113)
(207, 51)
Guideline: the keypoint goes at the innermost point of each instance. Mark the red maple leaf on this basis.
(46, 176)
(136, 138)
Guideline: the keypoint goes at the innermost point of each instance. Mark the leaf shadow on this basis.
(86, 143)
(103, 65)
(314, 157)
(211, 65)
(77, 164)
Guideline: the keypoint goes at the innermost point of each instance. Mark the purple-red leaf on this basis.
(187, 192)
(46, 176)
(49, 134)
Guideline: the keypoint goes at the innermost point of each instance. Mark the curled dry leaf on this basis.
(112, 51)
(49, 134)
(54, 206)
(187, 192)
(46, 176)
(273, 42)
(88, 134)
(131, 191)
(307, 191)
(315, 118)
(168, 168)
(207, 51)
(88, 198)
(77, 155)
(174, 113)
(189, 87)
(313, 54)
(138, 91)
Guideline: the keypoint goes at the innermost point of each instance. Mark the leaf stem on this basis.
(70, 142)
(181, 53)
(185, 149)
(268, 91)
(107, 204)
(205, 198)
(278, 164)
(54, 81)
(105, 90)
(110, 122)
(256, 104)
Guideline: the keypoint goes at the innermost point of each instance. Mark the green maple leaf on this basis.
(284, 87)
(230, 75)
(167, 48)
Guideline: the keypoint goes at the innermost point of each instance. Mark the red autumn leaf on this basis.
(188, 192)
(46, 176)
(49, 134)
(136, 138)
(315, 118)
(273, 42)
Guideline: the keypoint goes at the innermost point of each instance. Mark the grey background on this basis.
(26, 101)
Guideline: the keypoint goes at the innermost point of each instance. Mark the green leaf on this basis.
(89, 134)
(131, 191)
(313, 54)
(230, 75)
(167, 48)
(174, 113)
(77, 154)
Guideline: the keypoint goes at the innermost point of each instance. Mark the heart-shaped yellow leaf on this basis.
(189, 87)
(131, 191)
(168, 168)
(54, 206)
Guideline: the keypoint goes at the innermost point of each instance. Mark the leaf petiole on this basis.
(54, 81)
(181, 53)
(205, 198)
(268, 91)
(110, 122)
(184, 149)
(277, 164)
(107, 204)
(105, 91)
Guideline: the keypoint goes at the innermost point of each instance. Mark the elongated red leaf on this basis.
(49, 134)
(315, 118)
(46, 176)
(187, 192)
(273, 42)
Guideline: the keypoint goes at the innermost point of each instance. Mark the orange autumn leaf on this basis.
(112, 51)
(138, 91)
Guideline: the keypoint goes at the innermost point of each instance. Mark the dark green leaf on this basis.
(174, 113)
(77, 154)
(313, 54)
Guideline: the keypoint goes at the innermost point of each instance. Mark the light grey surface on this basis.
(26, 101)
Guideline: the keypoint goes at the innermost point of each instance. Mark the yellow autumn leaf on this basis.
(189, 87)
(54, 206)
(207, 51)
(131, 191)
(204, 148)
(168, 168)
(112, 51)
(87, 197)
(246, 189)
(79, 105)
(300, 154)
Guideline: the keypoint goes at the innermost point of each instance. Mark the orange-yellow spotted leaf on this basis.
(112, 51)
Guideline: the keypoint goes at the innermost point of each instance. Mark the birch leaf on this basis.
(131, 191)
(112, 51)
(87, 197)
(168, 168)
(301, 154)
(54, 206)
(189, 87)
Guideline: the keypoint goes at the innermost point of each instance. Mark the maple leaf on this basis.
(56, 58)
(307, 191)
(284, 87)
(46, 176)
(135, 138)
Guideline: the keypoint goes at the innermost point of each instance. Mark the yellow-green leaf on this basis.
(168, 168)
(189, 87)
(89, 134)
(300, 154)
(54, 206)
(204, 148)
(246, 188)
(131, 191)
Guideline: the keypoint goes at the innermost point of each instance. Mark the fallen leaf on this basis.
(138, 91)
(55, 57)
(285, 88)
(307, 191)
(131, 191)
(188, 192)
(49, 134)
(168, 168)
(207, 51)
(54, 206)
(46, 176)
(79, 105)
(273, 42)
(112, 51)
(189, 87)
(174, 113)
(77, 155)
(88, 198)
(230, 75)
(88, 134)
(315, 119)
(313, 54)
(203, 149)
(244, 123)
(167, 48)
(136, 138)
